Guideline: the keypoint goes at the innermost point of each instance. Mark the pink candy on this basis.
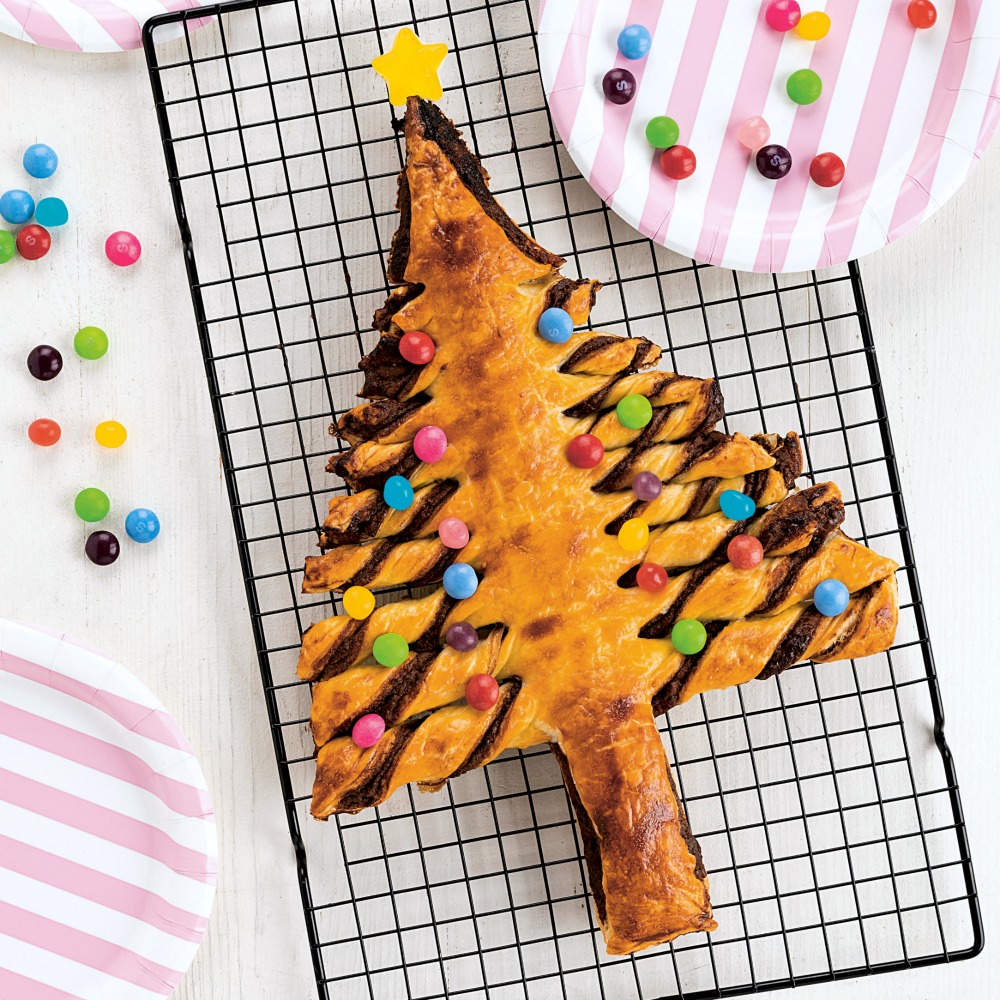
(783, 15)
(122, 248)
(430, 443)
(453, 533)
(754, 133)
(368, 730)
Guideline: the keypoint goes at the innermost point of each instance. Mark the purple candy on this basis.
(619, 86)
(461, 637)
(102, 548)
(647, 486)
(774, 161)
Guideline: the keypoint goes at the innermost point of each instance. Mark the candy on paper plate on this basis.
(635, 41)
(619, 86)
(52, 213)
(754, 133)
(44, 362)
(827, 170)
(410, 68)
(922, 14)
(33, 242)
(110, 434)
(142, 525)
(678, 162)
(774, 162)
(813, 26)
(122, 248)
(102, 548)
(16, 206)
(783, 15)
(91, 343)
(662, 132)
(44, 432)
(804, 86)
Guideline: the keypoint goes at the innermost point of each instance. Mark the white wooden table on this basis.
(175, 611)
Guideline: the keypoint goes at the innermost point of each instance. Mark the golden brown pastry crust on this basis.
(583, 657)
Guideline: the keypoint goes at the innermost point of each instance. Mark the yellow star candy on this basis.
(410, 68)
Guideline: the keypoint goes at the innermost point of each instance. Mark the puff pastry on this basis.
(583, 657)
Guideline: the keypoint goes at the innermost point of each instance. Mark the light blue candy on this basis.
(16, 206)
(634, 41)
(555, 325)
(51, 212)
(142, 525)
(40, 160)
(397, 492)
(736, 506)
(831, 597)
(460, 581)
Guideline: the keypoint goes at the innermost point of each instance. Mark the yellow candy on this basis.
(633, 535)
(410, 68)
(359, 602)
(813, 26)
(110, 434)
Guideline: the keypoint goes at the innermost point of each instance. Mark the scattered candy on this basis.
(416, 347)
(460, 581)
(688, 636)
(662, 132)
(585, 451)
(110, 434)
(831, 597)
(92, 504)
(482, 692)
(647, 486)
(52, 212)
(754, 133)
(390, 649)
(462, 637)
(44, 362)
(783, 15)
(827, 170)
(745, 551)
(122, 248)
(633, 535)
(410, 68)
(619, 86)
(922, 14)
(804, 86)
(40, 160)
(142, 525)
(634, 41)
(91, 343)
(359, 602)
(430, 443)
(33, 242)
(102, 548)
(8, 246)
(397, 492)
(634, 411)
(651, 578)
(16, 206)
(678, 162)
(736, 506)
(555, 325)
(454, 533)
(814, 26)
(368, 730)
(774, 161)
(44, 432)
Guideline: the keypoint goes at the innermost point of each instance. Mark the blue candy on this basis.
(51, 212)
(460, 581)
(831, 597)
(40, 160)
(142, 525)
(634, 41)
(397, 492)
(16, 206)
(736, 506)
(555, 325)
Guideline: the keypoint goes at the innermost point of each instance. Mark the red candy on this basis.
(481, 692)
(585, 451)
(678, 162)
(827, 170)
(33, 242)
(122, 248)
(44, 432)
(651, 578)
(922, 14)
(416, 347)
(745, 551)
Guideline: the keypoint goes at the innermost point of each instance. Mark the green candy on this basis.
(92, 504)
(7, 246)
(662, 132)
(804, 86)
(689, 636)
(634, 411)
(91, 343)
(390, 649)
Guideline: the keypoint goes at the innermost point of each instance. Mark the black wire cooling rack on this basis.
(825, 800)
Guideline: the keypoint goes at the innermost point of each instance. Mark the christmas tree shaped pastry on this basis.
(540, 609)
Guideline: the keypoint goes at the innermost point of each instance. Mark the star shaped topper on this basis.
(410, 68)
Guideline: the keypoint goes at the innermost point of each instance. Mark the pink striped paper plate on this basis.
(909, 112)
(107, 836)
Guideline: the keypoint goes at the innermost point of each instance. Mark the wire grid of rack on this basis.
(825, 800)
